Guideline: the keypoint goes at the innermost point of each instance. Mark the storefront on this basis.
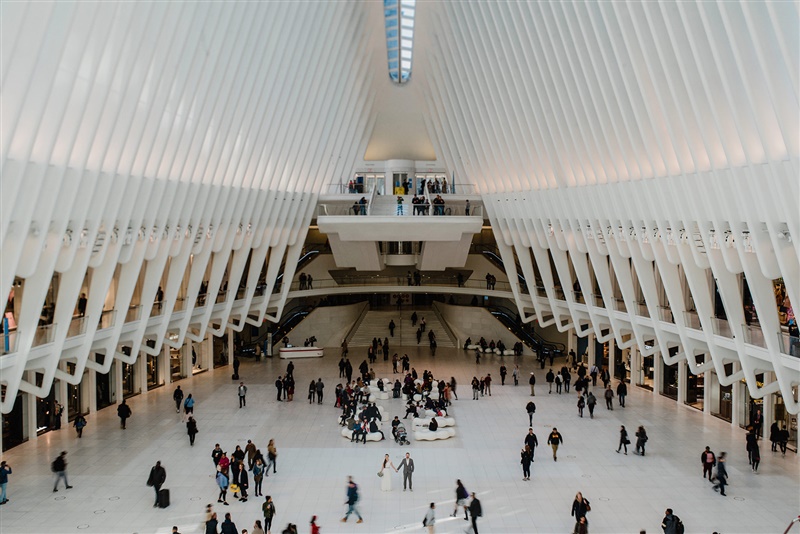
(749, 406)
(645, 368)
(622, 363)
(153, 378)
(46, 408)
(669, 380)
(176, 364)
(721, 396)
(104, 384)
(76, 402)
(129, 380)
(695, 386)
(14, 423)
(221, 351)
(601, 353)
(784, 419)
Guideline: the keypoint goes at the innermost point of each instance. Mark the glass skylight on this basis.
(399, 17)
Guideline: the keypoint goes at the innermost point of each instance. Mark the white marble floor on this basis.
(109, 466)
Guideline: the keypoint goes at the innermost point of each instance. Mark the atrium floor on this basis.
(109, 466)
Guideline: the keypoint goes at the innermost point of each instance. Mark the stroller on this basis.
(400, 435)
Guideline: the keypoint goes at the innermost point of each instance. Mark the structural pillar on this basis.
(683, 379)
(230, 346)
(117, 395)
(165, 365)
(62, 397)
(30, 412)
(736, 399)
(91, 387)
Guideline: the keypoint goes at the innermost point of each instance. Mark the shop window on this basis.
(45, 408)
(153, 379)
(104, 384)
(695, 386)
(722, 398)
(669, 381)
(13, 423)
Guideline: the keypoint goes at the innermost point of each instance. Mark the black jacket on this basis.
(531, 441)
(475, 509)
(580, 508)
(229, 527)
(158, 475)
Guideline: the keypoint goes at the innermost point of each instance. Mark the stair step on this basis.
(376, 324)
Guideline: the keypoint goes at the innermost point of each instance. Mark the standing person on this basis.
(475, 511)
(567, 378)
(531, 442)
(503, 373)
(408, 471)
(79, 424)
(559, 381)
(722, 475)
(430, 519)
(752, 443)
(532, 382)
(272, 457)
(244, 481)
(158, 475)
(242, 391)
(580, 507)
(461, 499)
(312, 391)
(783, 439)
(641, 440)
(250, 450)
(268, 509)
(488, 382)
(515, 374)
(352, 500)
(258, 476)
(453, 387)
(216, 455)
(177, 396)
(59, 467)
(391, 321)
(708, 460)
(257, 528)
(622, 392)
(774, 432)
(554, 440)
(386, 480)
(609, 395)
(526, 459)
(188, 406)
(123, 412)
(581, 404)
(279, 387)
(671, 523)
(476, 386)
(312, 525)
(531, 409)
(550, 378)
(228, 526)
(623, 439)
(5, 470)
(593, 371)
(191, 429)
(236, 364)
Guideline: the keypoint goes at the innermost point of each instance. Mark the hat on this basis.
(531, 372)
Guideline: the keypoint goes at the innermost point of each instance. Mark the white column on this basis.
(230, 346)
(62, 397)
(658, 371)
(612, 357)
(768, 407)
(140, 375)
(117, 394)
(165, 365)
(707, 391)
(91, 390)
(186, 356)
(207, 356)
(590, 348)
(30, 412)
(683, 379)
(736, 399)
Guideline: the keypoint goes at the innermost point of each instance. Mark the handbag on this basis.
(380, 473)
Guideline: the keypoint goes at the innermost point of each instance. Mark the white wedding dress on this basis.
(386, 479)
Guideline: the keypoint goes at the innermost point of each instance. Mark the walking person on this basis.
(591, 402)
(123, 412)
(453, 387)
(622, 392)
(320, 387)
(531, 442)
(461, 499)
(177, 396)
(258, 476)
(623, 439)
(158, 475)
(59, 467)
(408, 471)
(312, 391)
(503, 373)
(671, 523)
(188, 406)
(430, 519)
(532, 382)
(609, 395)
(242, 391)
(550, 378)
(488, 382)
(5, 470)
(383, 473)
(708, 460)
(531, 409)
(581, 404)
(222, 483)
(526, 457)
(279, 386)
(774, 432)
(272, 457)
(580, 507)
(191, 429)
(554, 440)
(268, 509)
(559, 381)
(79, 424)
(475, 511)
(515, 375)
(755, 454)
(352, 500)
(641, 440)
(722, 475)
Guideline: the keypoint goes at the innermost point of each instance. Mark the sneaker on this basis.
(69, 487)
(360, 521)
(54, 490)
(225, 503)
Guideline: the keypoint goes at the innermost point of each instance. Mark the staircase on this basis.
(376, 324)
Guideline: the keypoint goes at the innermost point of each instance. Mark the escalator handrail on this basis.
(540, 340)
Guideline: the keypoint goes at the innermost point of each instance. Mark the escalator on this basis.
(305, 259)
(493, 255)
(526, 333)
(289, 320)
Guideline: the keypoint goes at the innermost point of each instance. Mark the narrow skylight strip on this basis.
(399, 21)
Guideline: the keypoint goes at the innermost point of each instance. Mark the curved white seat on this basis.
(443, 421)
(372, 436)
(427, 435)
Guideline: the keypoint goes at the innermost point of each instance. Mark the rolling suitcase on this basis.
(163, 498)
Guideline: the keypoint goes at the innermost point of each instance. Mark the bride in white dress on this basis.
(386, 470)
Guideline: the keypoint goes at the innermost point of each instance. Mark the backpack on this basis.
(53, 467)
(679, 528)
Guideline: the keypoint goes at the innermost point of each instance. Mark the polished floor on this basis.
(109, 466)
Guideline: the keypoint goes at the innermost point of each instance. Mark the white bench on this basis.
(427, 435)
(443, 421)
(372, 436)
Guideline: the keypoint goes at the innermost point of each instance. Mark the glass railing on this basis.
(8, 343)
(721, 327)
(754, 336)
(451, 281)
(578, 296)
(222, 296)
(641, 309)
(77, 326)
(106, 319)
(692, 320)
(134, 313)
(451, 208)
(665, 314)
(157, 308)
(789, 344)
(597, 300)
(44, 335)
(619, 305)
